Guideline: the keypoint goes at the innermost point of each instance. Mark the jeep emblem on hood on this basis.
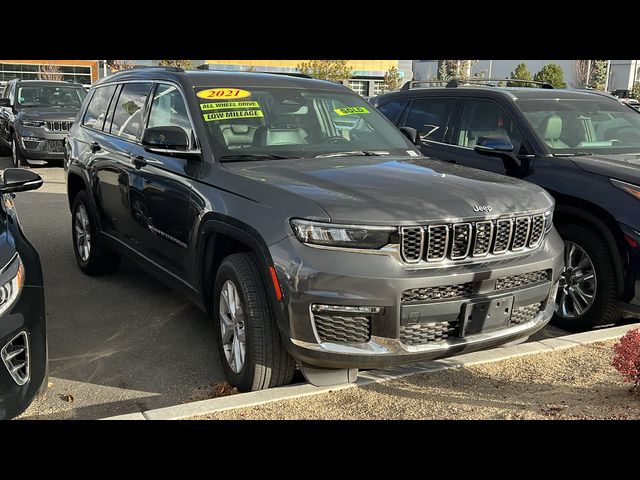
(482, 208)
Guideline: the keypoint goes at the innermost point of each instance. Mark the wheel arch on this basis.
(588, 214)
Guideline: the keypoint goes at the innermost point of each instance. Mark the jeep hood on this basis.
(622, 166)
(394, 190)
(48, 113)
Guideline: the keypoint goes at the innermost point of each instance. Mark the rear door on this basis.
(160, 186)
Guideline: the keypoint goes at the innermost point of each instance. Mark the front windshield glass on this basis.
(276, 122)
(50, 96)
(593, 125)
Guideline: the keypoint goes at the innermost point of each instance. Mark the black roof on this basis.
(214, 78)
(55, 83)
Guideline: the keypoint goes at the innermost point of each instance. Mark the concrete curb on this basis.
(250, 399)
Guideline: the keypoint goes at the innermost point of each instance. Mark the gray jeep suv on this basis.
(35, 117)
(305, 224)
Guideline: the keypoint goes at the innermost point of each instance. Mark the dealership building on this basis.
(81, 71)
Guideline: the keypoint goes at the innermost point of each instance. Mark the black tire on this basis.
(5, 151)
(604, 309)
(99, 261)
(266, 361)
(16, 154)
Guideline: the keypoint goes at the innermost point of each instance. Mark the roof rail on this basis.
(488, 82)
(155, 67)
(291, 74)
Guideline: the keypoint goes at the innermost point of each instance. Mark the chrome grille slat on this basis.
(504, 231)
(57, 125)
(461, 241)
(521, 228)
(537, 230)
(437, 242)
(483, 238)
(412, 239)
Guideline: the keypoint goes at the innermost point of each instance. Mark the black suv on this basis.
(305, 224)
(583, 147)
(35, 117)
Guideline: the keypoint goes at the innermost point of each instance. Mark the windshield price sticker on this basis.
(212, 117)
(225, 105)
(351, 110)
(223, 93)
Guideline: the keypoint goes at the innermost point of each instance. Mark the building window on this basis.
(361, 87)
(9, 71)
(377, 87)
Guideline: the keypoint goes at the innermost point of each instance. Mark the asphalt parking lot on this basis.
(117, 344)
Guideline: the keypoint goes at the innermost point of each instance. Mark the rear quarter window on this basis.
(97, 109)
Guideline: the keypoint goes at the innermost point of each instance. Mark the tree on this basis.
(50, 72)
(119, 65)
(590, 73)
(184, 64)
(635, 91)
(392, 80)
(520, 73)
(332, 70)
(458, 69)
(552, 74)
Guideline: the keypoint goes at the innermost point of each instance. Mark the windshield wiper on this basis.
(366, 153)
(247, 157)
(576, 154)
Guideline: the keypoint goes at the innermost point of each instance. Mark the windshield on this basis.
(584, 125)
(275, 122)
(50, 96)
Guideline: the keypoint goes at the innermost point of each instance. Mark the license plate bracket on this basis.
(486, 315)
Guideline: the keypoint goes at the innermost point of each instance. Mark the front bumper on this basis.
(311, 276)
(27, 315)
(41, 144)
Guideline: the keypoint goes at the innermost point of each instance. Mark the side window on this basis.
(392, 110)
(127, 116)
(97, 108)
(484, 118)
(430, 117)
(168, 109)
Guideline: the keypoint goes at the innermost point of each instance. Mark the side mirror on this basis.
(411, 134)
(169, 138)
(5, 102)
(19, 180)
(497, 147)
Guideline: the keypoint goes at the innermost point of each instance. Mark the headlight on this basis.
(32, 123)
(12, 280)
(348, 236)
(627, 187)
(548, 221)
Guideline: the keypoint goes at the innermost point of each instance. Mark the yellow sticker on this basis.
(350, 110)
(223, 105)
(211, 117)
(223, 93)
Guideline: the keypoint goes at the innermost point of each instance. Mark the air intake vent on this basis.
(421, 333)
(520, 233)
(437, 243)
(412, 243)
(343, 328)
(504, 230)
(461, 241)
(524, 314)
(15, 356)
(482, 242)
(443, 292)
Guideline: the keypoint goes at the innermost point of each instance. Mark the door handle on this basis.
(95, 146)
(139, 161)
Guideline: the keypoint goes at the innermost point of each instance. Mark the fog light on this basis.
(316, 307)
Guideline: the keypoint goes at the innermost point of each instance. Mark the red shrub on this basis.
(627, 356)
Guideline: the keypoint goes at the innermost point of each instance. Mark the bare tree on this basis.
(580, 73)
(119, 65)
(332, 70)
(50, 72)
(184, 64)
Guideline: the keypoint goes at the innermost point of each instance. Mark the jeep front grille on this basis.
(524, 314)
(522, 280)
(57, 126)
(15, 356)
(458, 241)
(421, 333)
(443, 292)
(343, 328)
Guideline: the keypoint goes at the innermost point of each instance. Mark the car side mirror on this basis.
(165, 139)
(411, 134)
(499, 146)
(19, 180)
(5, 102)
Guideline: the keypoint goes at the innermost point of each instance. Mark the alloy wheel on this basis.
(232, 326)
(83, 233)
(578, 283)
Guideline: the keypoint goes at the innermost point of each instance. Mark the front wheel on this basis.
(587, 295)
(91, 257)
(251, 350)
